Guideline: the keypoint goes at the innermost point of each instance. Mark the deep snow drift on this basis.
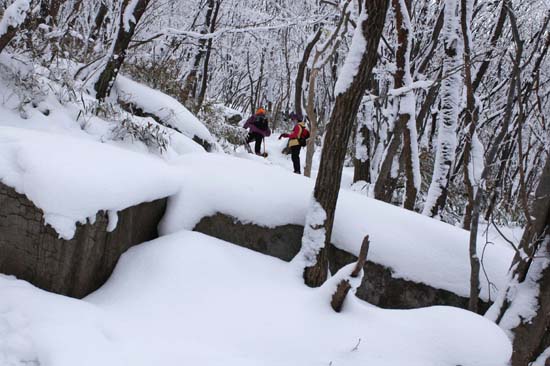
(191, 299)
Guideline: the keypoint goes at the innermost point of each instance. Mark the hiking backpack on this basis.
(261, 122)
(303, 136)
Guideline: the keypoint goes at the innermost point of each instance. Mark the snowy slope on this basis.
(44, 104)
(414, 246)
(188, 299)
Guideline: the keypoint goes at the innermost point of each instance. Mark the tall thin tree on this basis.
(349, 90)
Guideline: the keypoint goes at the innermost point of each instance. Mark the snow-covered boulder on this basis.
(413, 247)
(379, 286)
(70, 206)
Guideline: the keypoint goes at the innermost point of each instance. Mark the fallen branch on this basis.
(344, 286)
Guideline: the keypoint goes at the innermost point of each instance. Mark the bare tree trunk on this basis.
(405, 125)
(298, 86)
(97, 25)
(435, 41)
(190, 83)
(99, 19)
(494, 39)
(470, 180)
(204, 80)
(361, 160)
(126, 29)
(350, 88)
(49, 10)
(310, 107)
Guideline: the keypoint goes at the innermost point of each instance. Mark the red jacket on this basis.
(296, 132)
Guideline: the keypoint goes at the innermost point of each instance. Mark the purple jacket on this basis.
(253, 129)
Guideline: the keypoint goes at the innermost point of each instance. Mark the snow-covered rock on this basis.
(415, 247)
(71, 179)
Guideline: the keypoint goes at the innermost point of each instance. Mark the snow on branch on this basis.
(129, 15)
(301, 21)
(14, 15)
(353, 59)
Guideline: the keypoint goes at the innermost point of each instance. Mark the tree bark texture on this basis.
(126, 29)
(531, 269)
(204, 81)
(404, 134)
(339, 130)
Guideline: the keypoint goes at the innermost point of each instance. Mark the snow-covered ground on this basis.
(190, 299)
(187, 298)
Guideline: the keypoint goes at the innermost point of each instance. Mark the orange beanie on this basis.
(260, 111)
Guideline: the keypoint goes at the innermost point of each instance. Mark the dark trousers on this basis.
(295, 153)
(254, 136)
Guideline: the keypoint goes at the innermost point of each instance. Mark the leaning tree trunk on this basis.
(130, 14)
(298, 85)
(349, 90)
(450, 97)
(332, 42)
(523, 308)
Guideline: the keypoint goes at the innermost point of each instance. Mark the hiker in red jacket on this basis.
(296, 139)
(258, 129)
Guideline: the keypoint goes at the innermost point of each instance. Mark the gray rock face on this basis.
(32, 251)
(379, 287)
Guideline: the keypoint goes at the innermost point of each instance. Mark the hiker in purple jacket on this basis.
(258, 129)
